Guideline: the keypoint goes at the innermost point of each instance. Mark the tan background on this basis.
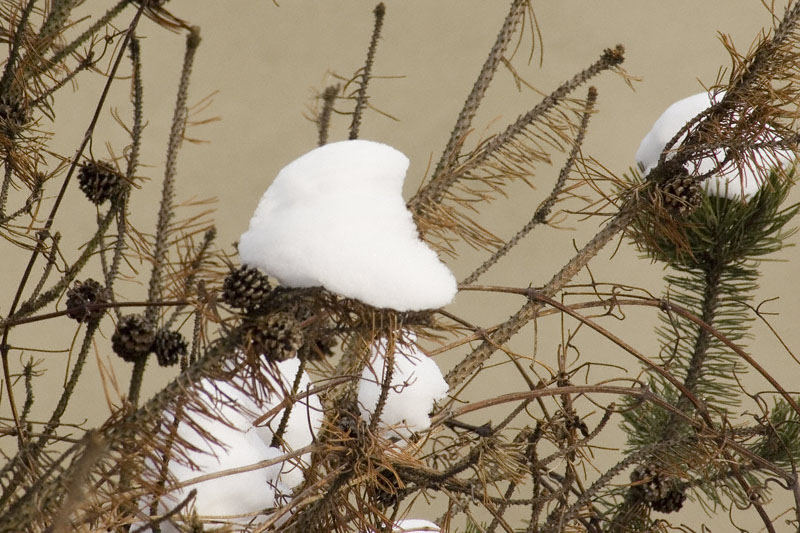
(267, 63)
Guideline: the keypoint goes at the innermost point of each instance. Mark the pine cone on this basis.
(670, 503)
(348, 424)
(648, 483)
(681, 194)
(13, 114)
(319, 343)
(276, 337)
(245, 288)
(133, 338)
(83, 294)
(99, 181)
(169, 346)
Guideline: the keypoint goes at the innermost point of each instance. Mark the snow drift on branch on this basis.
(336, 218)
(416, 384)
(243, 444)
(732, 181)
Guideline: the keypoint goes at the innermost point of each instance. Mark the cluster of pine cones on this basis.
(273, 318)
(136, 337)
(278, 324)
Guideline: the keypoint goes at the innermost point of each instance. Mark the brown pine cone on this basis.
(133, 338)
(83, 294)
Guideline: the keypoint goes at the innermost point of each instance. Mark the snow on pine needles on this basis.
(732, 181)
(231, 423)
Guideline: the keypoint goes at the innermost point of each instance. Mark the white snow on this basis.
(336, 218)
(304, 421)
(417, 383)
(414, 525)
(732, 181)
(236, 494)
(244, 444)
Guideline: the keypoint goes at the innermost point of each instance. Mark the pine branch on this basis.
(541, 213)
(323, 122)
(42, 99)
(277, 437)
(475, 97)
(366, 71)
(13, 54)
(166, 210)
(59, 57)
(29, 457)
(433, 192)
(133, 161)
(473, 361)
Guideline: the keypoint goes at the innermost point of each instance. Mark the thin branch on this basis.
(541, 213)
(51, 217)
(479, 88)
(324, 120)
(361, 95)
(166, 211)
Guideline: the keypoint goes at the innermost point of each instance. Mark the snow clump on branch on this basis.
(416, 384)
(230, 421)
(733, 181)
(336, 218)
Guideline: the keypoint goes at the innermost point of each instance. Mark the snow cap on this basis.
(335, 217)
(417, 383)
(732, 181)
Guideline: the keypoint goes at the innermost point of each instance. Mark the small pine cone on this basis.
(169, 346)
(83, 294)
(13, 113)
(387, 488)
(385, 497)
(318, 345)
(648, 483)
(348, 424)
(245, 288)
(277, 337)
(682, 194)
(133, 338)
(670, 503)
(99, 181)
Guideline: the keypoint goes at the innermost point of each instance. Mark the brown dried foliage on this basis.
(538, 451)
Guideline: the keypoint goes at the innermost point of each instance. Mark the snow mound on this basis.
(244, 444)
(414, 525)
(336, 218)
(732, 181)
(244, 493)
(304, 422)
(417, 383)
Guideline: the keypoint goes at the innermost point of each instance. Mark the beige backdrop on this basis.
(264, 64)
